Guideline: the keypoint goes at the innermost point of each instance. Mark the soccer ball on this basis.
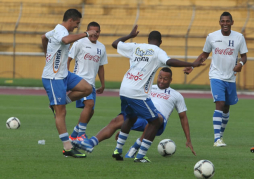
(166, 147)
(13, 123)
(204, 169)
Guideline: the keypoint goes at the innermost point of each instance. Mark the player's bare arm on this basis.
(133, 34)
(74, 37)
(44, 41)
(102, 80)
(243, 60)
(68, 63)
(178, 63)
(186, 129)
(202, 57)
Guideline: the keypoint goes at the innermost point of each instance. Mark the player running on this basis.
(90, 57)
(225, 44)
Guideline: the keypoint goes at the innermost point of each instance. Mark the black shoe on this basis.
(142, 160)
(73, 153)
(117, 155)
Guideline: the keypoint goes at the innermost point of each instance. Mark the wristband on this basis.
(87, 35)
(241, 63)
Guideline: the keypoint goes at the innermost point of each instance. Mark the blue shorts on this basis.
(224, 91)
(132, 108)
(141, 123)
(92, 96)
(56, 89)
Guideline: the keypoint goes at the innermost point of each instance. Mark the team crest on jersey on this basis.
(231, 43)
(57, 61)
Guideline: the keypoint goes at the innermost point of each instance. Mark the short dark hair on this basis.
(155, 35)
(94, 24)
(72, 13)
(166, 69)
(226, 14)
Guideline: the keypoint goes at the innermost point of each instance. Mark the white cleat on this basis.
(219, 143)
(222, 141)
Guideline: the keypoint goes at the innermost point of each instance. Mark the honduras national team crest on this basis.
(231, 43)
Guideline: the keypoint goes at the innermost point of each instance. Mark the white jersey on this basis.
(165, 100)
(145, 59)
(57, 54)
(88, 57)
(225, 51)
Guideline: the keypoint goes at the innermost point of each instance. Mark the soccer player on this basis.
(56, 78)
(145, 59)
(165, 99)
(90, 56)
(225, 44)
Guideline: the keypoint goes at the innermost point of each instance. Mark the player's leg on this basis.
(231, 99)
(79, 87)
(56, 90)
(149, 136)
(218, 92)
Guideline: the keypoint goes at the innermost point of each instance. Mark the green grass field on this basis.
(22, 157)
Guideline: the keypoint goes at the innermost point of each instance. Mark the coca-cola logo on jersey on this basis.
(160, 95)
(227, 51)
(134, 77)
(95, 58)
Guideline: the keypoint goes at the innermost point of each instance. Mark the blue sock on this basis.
(143, 148)
(93, 141)
(82, 129)
(225, 117)
(217, 118)
(137, 144)
(121, 141)
(75, 132)
(64, 137)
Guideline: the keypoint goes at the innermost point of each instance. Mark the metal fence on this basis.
(184, 29)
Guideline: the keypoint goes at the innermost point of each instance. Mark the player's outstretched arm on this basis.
(102, 80)
(178, 63)
(186, 129)
(202, 57)
(133, 34)
(44, 42)
(74, 37)
(243, 60)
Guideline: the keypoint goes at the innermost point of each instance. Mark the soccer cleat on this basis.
(252, 149)
(218, 143)
(117, 155)
(84, 145)
(142, 160)
(73, 153)
(72, 138)
(82, 137)
(53, 110)
(131, 153)
(222, 141)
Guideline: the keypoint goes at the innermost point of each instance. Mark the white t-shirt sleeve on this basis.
(180, 104)
(125, 49)
(163, 57)
(104, 58)
(207, 47)
(49, 34)
(243, 46)
(60, 33)
(74, 50)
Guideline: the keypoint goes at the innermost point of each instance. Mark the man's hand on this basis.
(188, 144)
(199, 62)
(238, 68)
(91, 32)
(100, 90)
(187, 70)
(134, 32)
